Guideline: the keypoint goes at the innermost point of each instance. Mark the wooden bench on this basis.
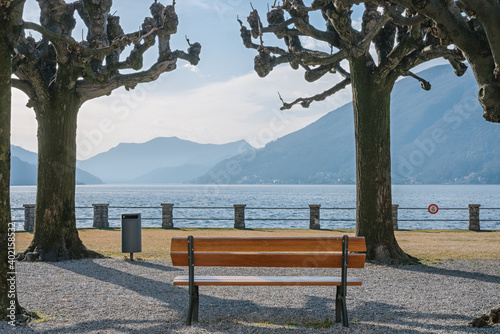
(316, 252)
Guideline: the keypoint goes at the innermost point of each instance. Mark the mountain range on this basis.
(24, 166)
(158, 161)
(438, 136)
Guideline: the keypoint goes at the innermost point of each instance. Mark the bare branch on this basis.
(90, 90)
(25, 87)
(310, 57)
(192, 56)
(306, 102)
(299, 7)
(401, 20)
(395, 57)
(62, 43)
(247, 42)
(72, 45)
(362, 47)
(488, 13)
(25, 67)
(431, 52)
(52, 36)
(16, 3)
(344, 2)
(314, 74)
(283, 27)
(343, 72)
(425, 84)
(459, 67)
(340, 18)
(451, 21)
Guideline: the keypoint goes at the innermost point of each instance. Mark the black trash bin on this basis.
(131, 234)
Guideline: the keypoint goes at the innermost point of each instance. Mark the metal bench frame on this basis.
(340, 296)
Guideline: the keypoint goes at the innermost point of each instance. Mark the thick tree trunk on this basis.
(10, 309)
(5, 218)
(371, 103)
(55, 235)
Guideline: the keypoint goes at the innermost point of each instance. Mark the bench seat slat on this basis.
(238, 259)
(269, 244)
(266, 280)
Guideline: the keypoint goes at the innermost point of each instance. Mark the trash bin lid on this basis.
(130, 215)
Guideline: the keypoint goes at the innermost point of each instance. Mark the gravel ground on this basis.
(117, 296)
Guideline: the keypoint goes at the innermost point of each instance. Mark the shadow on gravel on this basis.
(413, 322)
(121, 326)
(241, 314)
(160, 288)
(473, 275)
(155, 266)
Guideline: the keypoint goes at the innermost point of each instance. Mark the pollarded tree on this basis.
(59, 74)
(11, 13)
(402, 41)
(474, 27)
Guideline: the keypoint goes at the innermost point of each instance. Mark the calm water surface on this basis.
(337, 203)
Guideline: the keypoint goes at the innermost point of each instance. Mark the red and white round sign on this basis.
(433, 209)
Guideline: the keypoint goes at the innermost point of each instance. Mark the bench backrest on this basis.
(318, 252)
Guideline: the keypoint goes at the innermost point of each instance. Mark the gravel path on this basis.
(117, 296)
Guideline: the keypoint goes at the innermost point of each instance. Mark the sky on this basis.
(218, 101)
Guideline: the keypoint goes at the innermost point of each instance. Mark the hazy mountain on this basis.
(83, 177)
(21, 172)
(142, 163)
(24, 165)
(438, 136)
(24, 155)
(180, 174)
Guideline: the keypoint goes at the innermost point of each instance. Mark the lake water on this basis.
(337, 204)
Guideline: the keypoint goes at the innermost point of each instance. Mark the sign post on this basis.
(433, 209)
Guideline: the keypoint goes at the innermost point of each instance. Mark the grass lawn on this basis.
(428, 245)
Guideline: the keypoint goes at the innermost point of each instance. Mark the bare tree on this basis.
(11, 13)
(402, 40)
(474, 27)
(59, 74)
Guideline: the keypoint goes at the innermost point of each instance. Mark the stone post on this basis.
(395, 216)
(314, 216)
(167, 217)
(474, 217)
(239, 215)
(101, 215)
(29, 217)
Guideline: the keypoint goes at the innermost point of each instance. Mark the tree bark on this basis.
(5, 217)
(10, 309)
(480, 45)
(371, 103)
(59, 74)
(55, 235)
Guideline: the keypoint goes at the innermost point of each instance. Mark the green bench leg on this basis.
(338, 306)
(194, 301)
(194, 296)
(341, 307)
(340, 297)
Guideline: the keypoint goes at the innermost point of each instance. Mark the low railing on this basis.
(242, 214)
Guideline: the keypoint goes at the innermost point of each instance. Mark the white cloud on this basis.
(314, 44)
(192, 68)
(24, 125)
(187, 102)
(245, 107)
